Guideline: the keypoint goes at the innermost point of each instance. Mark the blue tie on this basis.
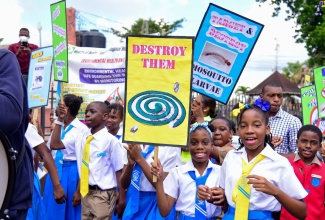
(200, 208)
(59, 155)
(134, 188)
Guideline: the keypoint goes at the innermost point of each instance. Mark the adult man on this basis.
(14, 120)
(283, 124)
(22, 49)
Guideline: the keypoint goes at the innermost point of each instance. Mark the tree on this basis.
(293, 71)
(142, 26)
(242, 90)
(1, 39)
(310, 25)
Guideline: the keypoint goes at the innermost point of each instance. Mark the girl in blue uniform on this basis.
(181, 184)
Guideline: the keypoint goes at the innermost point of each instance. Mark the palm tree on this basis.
(242, 90)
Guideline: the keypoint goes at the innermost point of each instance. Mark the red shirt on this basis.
(313, 180)
(23, 57)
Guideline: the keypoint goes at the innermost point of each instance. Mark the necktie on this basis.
(134, 188)
(242, 190)
(59, 155)
(84, 187)
(200, 207)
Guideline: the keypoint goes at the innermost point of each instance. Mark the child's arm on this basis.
(197, 111)
(121, 203)
(126, 175)
(56, 143)
(165, 202)
(76, 199)
(134, 151)
(295, 207)
(45, 153)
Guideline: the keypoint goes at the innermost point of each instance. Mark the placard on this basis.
(158, 90)
(59, 40)
(40, 69)
(309, 108)
(319, 78)
(95, 74)
(223, 45)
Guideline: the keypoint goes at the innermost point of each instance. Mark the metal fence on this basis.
(288, 106)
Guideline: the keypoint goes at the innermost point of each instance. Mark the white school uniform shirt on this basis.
(33, 138)
(179, 185)
(69, 140)
(105, 158)
(169, 158)
(274, 167)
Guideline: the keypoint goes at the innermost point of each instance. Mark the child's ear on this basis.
(105, 116)
(268, 129)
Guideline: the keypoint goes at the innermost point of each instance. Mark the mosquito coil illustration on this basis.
(156, 108)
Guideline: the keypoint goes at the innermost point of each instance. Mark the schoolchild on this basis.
(203, 109)
(310, 172)
(136, 178)
(222, 138)
(115, 119)
(180, 186)
(100, 162)
(61, 141)
(113, 125)
(36, 142)
(257, 180)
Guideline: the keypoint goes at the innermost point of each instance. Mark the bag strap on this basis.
(21, 155)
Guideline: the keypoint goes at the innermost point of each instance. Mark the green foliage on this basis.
(310, 25)
(1, 39)
(242, 90)
(139, 27)
(292, 71)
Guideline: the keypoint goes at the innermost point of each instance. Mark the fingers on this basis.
(204, 193)
(60, 200)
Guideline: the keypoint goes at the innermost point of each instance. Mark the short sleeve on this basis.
(171, 158)
(116, 154)
(32, 136)
(171, 184)
(294, 189)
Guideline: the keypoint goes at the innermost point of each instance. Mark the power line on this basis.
(100, 17)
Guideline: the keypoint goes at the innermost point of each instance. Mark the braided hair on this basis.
(263, 110)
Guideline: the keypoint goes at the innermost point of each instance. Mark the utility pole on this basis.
(39, 27)
(145, 27)
(276, 54)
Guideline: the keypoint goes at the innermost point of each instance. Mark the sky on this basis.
(15, 14)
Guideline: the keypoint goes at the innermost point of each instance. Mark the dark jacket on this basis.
(14, 117)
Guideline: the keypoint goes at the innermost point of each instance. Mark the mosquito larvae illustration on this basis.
(227, 62)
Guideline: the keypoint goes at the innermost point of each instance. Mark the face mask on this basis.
(23, 39)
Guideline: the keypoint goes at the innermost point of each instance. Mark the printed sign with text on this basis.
(40, 70)
(223, 45)
(158, 90)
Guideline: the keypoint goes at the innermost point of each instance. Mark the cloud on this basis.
(10, 22)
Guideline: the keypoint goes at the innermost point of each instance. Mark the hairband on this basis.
(203, 125)
(262, 104)
(235, 112)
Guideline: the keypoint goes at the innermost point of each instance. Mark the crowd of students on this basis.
(99, 177)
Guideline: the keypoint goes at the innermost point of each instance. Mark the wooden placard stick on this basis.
(35, 117)
(155, 162)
